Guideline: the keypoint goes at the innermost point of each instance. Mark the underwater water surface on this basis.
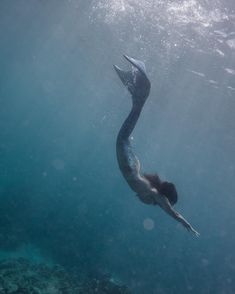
(62, 197)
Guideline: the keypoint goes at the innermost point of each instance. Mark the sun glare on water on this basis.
(181, 23)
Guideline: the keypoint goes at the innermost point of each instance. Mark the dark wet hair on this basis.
(168, 189)
(165, 188)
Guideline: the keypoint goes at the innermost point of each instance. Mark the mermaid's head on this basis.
(165, 188)
(168, 189)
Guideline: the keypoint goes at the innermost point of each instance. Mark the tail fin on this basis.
(127, 78)
(135, 80)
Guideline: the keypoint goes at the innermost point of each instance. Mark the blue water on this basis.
(62, 196)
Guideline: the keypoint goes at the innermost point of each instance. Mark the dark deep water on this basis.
(62, 197)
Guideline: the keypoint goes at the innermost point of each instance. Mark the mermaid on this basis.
(149, 188)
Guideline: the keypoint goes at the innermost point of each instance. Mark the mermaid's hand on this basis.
(191, 229)
(195, 232)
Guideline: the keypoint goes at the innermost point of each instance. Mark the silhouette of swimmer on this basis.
(148, 187)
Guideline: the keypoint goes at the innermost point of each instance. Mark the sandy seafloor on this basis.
(63, 201)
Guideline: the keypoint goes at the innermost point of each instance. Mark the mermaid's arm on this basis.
(165, 205)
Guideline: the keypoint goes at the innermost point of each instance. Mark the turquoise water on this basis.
(62, 105)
